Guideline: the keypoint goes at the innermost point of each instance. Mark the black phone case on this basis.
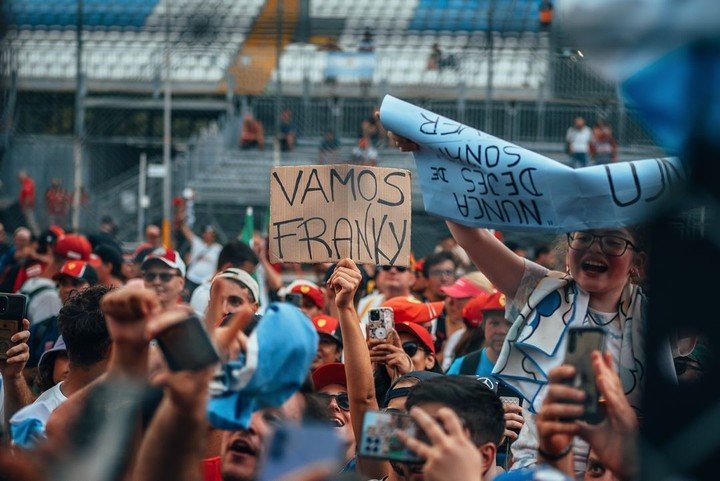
(186, 346)
(13, 309)
(582, 341)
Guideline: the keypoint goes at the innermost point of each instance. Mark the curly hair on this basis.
(82, 325)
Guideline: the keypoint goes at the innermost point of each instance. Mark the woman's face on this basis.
(422, 361)
(600, 273)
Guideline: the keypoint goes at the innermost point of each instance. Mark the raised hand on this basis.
(344, 282)
(127, 312)
(405, 145)
(555, 435)
(513, 421)
(18, 354)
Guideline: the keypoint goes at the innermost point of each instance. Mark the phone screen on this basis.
(380, 440)
(12, 313)
(292, 448)
(186, 346)
(582, 341)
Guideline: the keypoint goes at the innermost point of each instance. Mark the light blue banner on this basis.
(479, 180)
(350, 65)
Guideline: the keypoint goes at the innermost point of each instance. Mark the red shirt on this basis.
(27, 193)
(56, 201)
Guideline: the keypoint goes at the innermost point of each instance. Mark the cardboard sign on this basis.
(479, 180)
(323, 213)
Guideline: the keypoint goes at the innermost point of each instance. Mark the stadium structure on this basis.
(94, 86)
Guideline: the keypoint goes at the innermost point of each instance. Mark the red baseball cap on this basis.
(418, 331)
(73, 246)
(474, 310)
(169, 257)
(95, 260)
(496, 302)
(329, 326)
(463, 288)
(310, 291)
(78, 270)
(409, 309)
(327, 374)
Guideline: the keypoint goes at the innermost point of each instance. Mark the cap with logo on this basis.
(73, 246)
(80, 270)
(243, 278)
(310, 291)
(474, 310)
(409, 309)
(168, 257)
(418, 331)
(328, 326)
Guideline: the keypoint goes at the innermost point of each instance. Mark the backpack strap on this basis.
(470, 363)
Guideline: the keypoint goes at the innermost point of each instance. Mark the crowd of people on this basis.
(90, 381)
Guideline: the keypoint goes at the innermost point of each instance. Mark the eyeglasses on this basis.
(164, 276)
(389, 268)
(341, 399)
(610, 245)
(411, 348)
(442, 272)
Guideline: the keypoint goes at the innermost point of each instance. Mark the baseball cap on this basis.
(409, 309)
(48, 357)
(472, 313)
(78, 270)
(327, 374)
(418, 331)
(48, 237)
(396, 392)
(73, 246)
(310, 290)
(109, 254)
(245, 279)
(328, 326)
(496, 302)
(462, 288)
(169, 257)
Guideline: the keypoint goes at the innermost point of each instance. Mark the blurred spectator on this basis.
(577, 142)
(252, 134)
(364, 153)
(26, 199)
(163, 271)
(449, 244)
(152, 240)
(516, 248)
(288, 131)
(330, 346)
(106, 234)
(109, 269)
(369, 128)
(57, 204)
(545, 13)
(329, 148)
(203, 257)
(546, 256)
(4, 245)
(433, 62)
(440, 269)
(367, 43)
(603, 147)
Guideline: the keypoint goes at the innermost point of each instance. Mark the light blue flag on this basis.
(664, 54)
(278, 358)
(479, 180)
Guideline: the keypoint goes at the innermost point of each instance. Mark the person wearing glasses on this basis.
(390, 281)
(163, 271)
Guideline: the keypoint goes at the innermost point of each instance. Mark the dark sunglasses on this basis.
(164, 276)
(399, 268)
(341, 399)
(411, 348)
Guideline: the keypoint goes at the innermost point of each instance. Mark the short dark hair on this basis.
(236, 253)
(479, 408)
(437, 258)
(82, 325)
(108, 253)
(541, 249)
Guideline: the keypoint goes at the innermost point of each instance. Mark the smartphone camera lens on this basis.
(374, 315)
(3, 304)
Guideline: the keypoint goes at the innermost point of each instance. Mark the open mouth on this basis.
(593, 266)
(241, 446)
(337, 421)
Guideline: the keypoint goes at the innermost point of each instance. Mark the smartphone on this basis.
(13, 309)
(381, 321)
(292, 448)
(379, 436)
(581, 342)
(508, 395)
(187, 346)
(294, 298)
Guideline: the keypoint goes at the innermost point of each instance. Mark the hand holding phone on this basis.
(13, 309)
(380, 440)
(187, 346)
(581, 342)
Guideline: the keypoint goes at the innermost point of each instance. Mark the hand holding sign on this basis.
(478, 180)
(325, 213)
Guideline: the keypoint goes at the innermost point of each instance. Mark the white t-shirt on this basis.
(449, 348)
(203, 260)
(579, 139)
(46, 303)
(27, 426)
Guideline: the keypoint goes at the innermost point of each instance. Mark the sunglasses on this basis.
(399, 268)
(411, 348)
(341, 399)
(164, 276)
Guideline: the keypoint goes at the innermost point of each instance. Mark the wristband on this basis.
(555, 457)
